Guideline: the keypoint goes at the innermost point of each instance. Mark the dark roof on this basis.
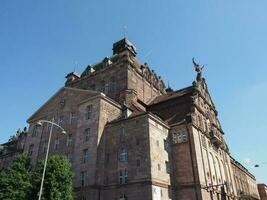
(172, 95)
(122, 45)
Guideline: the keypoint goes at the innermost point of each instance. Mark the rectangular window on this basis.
(56, 144)
(138, 163)
(83, 177)
(157, 143)
(68, 156)
(83, 198)
(49, 127)
(71, 118)
(159, 167)
(123, 176)
(87, 134)
(122, 197)
(34, 130)
(30, 149)
(85, 156)
(123, 155)
(88, 112)
(44, 146)
(107, 158)
(123, 131)
(69, 140)
(61, 121)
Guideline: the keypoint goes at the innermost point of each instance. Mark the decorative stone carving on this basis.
(180, 136)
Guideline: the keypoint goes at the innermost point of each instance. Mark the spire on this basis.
(198, 69)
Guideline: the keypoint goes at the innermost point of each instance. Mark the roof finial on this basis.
(198, 69)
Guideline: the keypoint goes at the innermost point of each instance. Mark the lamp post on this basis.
(40, 123)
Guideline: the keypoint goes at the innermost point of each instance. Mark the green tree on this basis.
(15, 182)
(58, 179)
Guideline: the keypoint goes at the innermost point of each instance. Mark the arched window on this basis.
(123, 155)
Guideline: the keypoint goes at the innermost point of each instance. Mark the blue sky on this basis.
(40, 42)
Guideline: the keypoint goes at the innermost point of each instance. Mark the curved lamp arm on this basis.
(40, 123)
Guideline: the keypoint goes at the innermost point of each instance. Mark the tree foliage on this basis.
(15, 182)
(58, 179)
(20, 182)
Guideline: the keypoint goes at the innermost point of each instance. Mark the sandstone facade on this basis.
(262, 188)
(128, 137)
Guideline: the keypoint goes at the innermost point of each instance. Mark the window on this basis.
(157, 143)
(123, 155)
(61, 121)
(123, 131)
(68, 156)
(112, 85)
(88, 112)
(122, 197)
(85, 155)
(102, 86)
(49, 126)
(83, 177)
(123, 176)
(30, 149)
(44, 146)
(34, 131)
(159, 167)
(167, 167)
(71, 118)
(56, 144)
(87, 134)
(107, 158)
(138, 163)
(69, 140)
(83, 198)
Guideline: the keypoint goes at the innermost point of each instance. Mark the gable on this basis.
(66, 97)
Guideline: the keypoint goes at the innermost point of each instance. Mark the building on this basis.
(262, 188)
(9, 149)
(245, 182)
(130, 137)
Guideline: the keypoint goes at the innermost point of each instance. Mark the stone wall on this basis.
(262, 188)
(245, 182)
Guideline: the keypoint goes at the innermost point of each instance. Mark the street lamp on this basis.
(40, 123)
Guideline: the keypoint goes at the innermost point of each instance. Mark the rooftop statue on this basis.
(198, 68)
